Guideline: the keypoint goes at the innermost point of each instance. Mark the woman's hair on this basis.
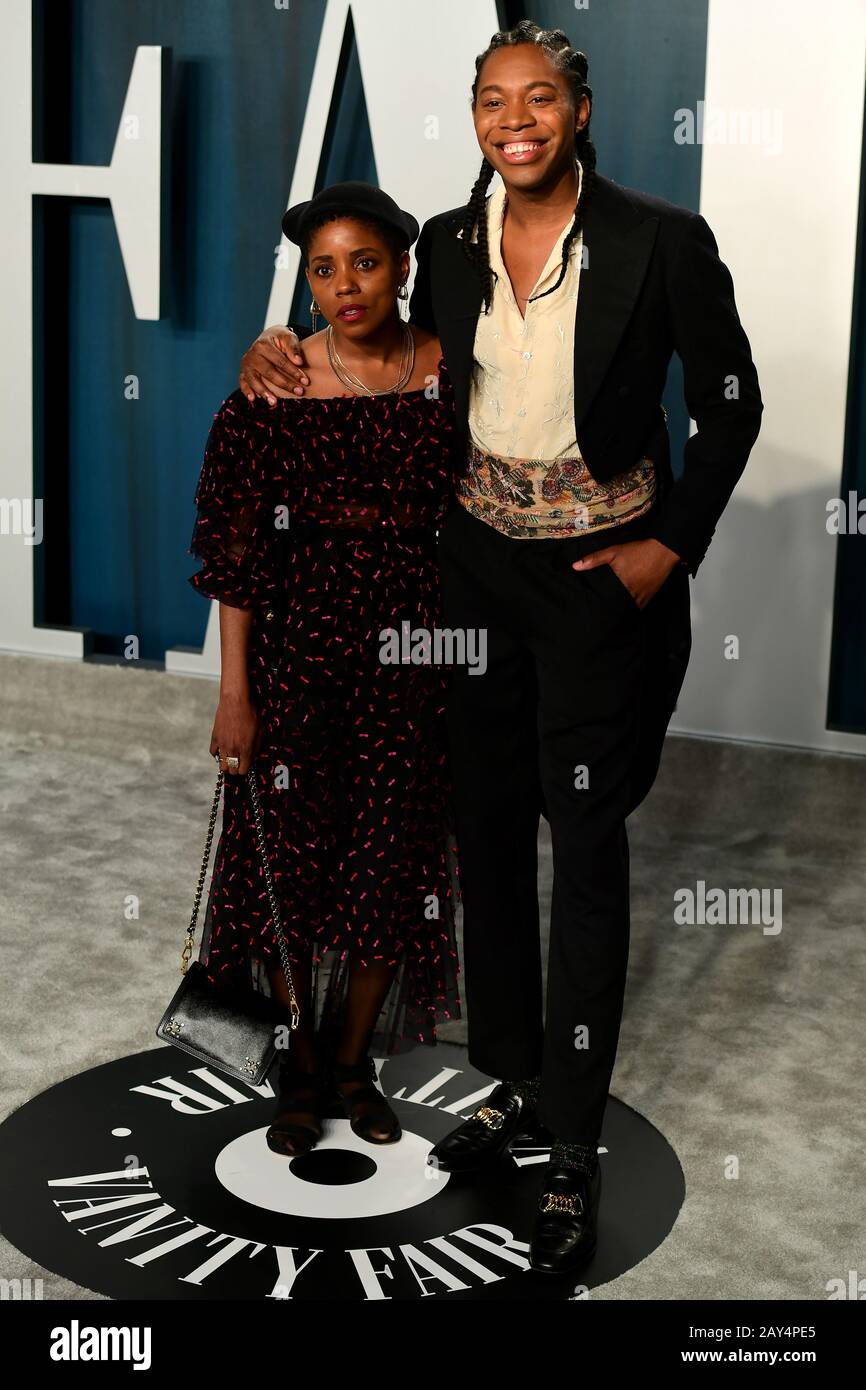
(389, 234)
(574, 66)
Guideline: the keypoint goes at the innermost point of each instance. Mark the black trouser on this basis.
(567, 721)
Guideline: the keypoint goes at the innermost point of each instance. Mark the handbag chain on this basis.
(269, 882)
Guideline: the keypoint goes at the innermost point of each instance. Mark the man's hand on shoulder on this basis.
(274, 366)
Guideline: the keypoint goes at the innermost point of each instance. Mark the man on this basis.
(558, 302)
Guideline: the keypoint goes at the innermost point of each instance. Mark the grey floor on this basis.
(734, 1042)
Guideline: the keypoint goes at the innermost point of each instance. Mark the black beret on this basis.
(353, 199)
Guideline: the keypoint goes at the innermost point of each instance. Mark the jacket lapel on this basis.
(618, 250)
(618, 246)
(457, 319)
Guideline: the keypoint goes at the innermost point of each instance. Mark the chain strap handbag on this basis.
(229, 1029)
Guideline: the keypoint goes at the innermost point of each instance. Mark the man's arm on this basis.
(721, 393)
(273, 366)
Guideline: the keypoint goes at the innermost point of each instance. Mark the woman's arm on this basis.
(236, 731)
(233, 536)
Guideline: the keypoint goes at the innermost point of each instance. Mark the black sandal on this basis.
(301, 1093)
(368, 1112)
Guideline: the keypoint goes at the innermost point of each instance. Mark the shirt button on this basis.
(527, 355)
(269, 616)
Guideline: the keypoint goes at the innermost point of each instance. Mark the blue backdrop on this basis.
(118, 475)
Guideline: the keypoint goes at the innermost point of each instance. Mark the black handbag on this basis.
(229, 1029)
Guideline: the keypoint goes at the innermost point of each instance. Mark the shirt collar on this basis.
(550, 273)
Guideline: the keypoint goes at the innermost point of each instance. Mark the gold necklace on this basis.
(348, 378)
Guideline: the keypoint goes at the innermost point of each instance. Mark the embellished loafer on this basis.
(485, 1136)
(566, 1220)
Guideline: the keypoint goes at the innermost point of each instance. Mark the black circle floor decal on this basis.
(150, 1178)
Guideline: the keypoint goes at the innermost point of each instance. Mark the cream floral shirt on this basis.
(525, 475)
(521, 400)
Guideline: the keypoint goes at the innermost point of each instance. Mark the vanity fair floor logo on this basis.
(146, 1178)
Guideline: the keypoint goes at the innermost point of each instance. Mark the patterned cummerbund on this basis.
(538, 498)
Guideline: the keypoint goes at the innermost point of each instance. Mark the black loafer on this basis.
(531, 1133)
(484, 1137)
(566, 1220)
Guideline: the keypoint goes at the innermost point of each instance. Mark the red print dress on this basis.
(321, 516)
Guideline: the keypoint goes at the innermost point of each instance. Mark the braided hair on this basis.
(575, 68)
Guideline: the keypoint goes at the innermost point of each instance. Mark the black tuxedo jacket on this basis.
(652, 283)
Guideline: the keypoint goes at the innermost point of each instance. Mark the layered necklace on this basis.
(348, 378)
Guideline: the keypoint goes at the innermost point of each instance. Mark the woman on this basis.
(316, 524)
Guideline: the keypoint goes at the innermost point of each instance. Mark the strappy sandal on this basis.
(368, 1112)
(301, 1093)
